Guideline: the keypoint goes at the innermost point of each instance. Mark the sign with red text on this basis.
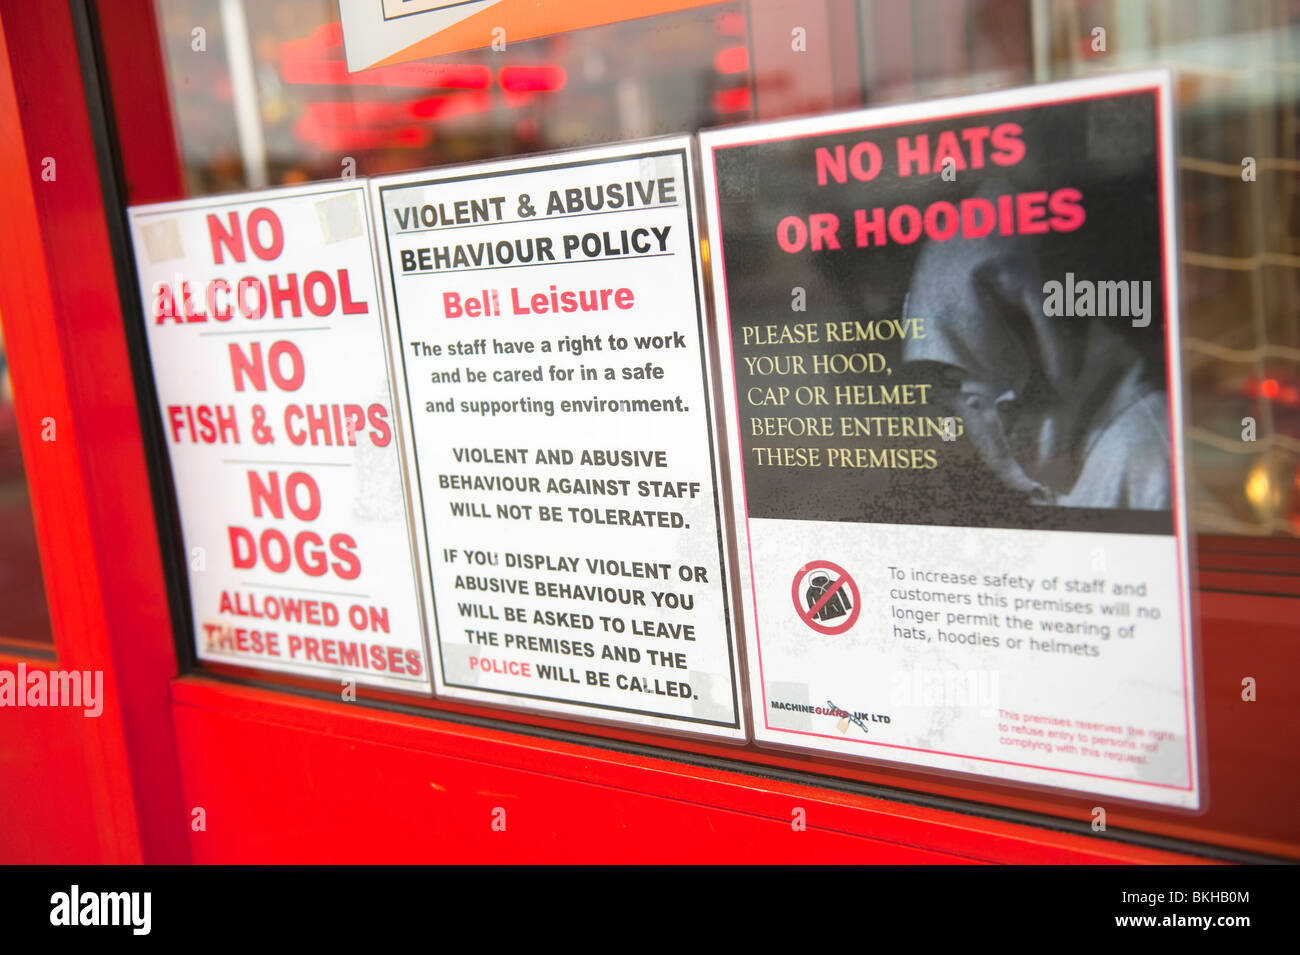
(549, 315)
(949, 334)
(273, 387)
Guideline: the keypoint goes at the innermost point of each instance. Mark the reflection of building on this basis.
(606, 83)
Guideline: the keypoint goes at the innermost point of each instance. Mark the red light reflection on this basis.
(734, 59)
(532, 79)
(732, 101)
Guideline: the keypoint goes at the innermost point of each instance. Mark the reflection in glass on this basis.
(24, 616)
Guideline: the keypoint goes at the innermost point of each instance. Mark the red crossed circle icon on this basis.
(840, 578)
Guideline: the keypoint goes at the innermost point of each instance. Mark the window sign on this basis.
(272, 376)
(949, 338)
(549, 315)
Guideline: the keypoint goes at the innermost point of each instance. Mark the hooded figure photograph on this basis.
(1058, 408)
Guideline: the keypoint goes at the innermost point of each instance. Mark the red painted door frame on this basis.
(89, 485)
(281, 776)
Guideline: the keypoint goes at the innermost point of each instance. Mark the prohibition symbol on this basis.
(826, 597)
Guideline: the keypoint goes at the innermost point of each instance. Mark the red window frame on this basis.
(88, 87)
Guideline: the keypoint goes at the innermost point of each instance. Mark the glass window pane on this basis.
(24, 615)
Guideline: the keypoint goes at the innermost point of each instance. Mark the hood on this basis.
(982, 301)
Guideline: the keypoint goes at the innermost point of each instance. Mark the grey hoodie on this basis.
(1072, 421)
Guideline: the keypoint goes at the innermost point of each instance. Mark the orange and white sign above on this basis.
(383, 32)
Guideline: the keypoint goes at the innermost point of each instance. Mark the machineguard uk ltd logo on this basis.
(40, 687)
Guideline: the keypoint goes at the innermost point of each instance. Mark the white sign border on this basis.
(737, 734)
(1159, 81)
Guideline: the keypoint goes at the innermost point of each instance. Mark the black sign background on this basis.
(1105, 147)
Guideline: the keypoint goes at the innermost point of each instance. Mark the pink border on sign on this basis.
(1174, 458)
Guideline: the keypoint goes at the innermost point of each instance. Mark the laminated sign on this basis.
(267, 346)
(949, 338)
(550, 320)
